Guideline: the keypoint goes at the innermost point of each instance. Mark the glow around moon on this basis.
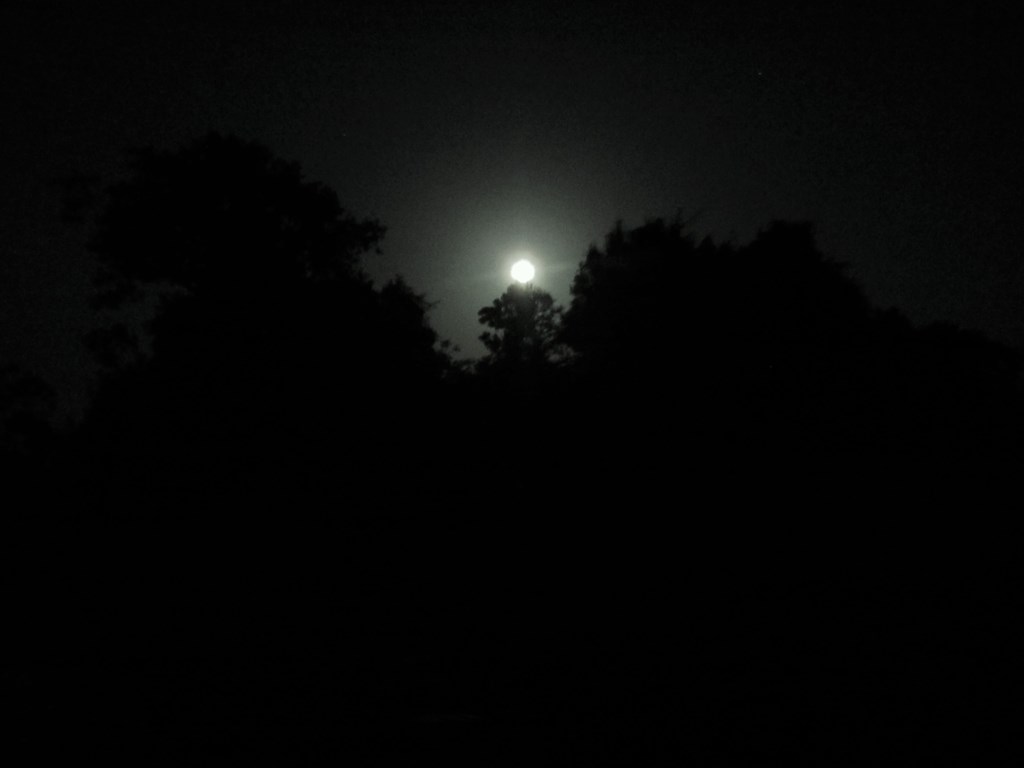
(523, 271)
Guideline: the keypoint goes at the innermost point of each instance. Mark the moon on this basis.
(523, 271)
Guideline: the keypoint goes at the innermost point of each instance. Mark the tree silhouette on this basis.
(220, 216)
(653, 295)
(525, 327)
(771, 345)
(268, 347)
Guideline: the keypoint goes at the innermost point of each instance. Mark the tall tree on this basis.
(525, 326)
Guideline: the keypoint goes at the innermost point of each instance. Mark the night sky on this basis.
(477, 130)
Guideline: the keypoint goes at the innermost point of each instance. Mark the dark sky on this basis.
(473, 130)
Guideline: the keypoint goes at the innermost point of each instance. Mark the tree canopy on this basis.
(525, 328)
(774, 344)
(340, 521)
(222, 215)
(267, 339)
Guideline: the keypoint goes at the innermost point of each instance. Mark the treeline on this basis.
(293, 527)
(271, 361)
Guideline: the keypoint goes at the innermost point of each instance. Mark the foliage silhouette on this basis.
(270, 352)
(568, 575)
(223, 216)
(525, 326)
(771, 346)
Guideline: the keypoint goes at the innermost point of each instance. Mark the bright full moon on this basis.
(523, 271)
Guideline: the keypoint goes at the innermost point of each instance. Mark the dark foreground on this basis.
(728, 623)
